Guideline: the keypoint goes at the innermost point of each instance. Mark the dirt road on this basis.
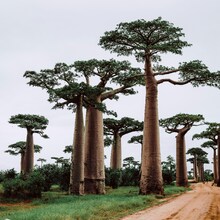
(201, 203)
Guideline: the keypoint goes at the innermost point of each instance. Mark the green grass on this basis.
(59, 206)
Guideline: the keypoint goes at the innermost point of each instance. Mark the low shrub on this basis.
(24, 187)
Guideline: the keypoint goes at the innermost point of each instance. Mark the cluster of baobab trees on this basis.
(87, 84)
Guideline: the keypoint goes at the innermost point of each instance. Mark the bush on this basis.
(130, 176)
(64, 177)
(23, 187)
(1, 176)
(10, 174)
(51, 175)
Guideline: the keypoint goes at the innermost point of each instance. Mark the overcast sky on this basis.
(37, 34)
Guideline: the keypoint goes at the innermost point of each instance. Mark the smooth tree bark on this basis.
(117, 129)
(147, 40)
(94, 152)
(77, 170)
(116, 153)
(19, 148)
(33, 124)
(181, 124)
(212, 133)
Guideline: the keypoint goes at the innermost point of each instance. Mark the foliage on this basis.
(55, 175)
(64, 178)
(34, 122)
(168, 170)
(24, 187)
(113, 177)
(172, 124)
(51, 175)
(130, 172)
(1, 176)
(10, 174)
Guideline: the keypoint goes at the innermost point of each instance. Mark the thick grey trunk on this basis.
(29, 153)
(215, 166)
(181, 169)
(195, 169)
(94, 153)
(77, 165)
(22, 163)
(151, 173)
(116, 153)
(218, 162)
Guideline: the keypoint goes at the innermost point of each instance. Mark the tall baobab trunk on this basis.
(181, 169)
(195, 173)
(22, 162)
(215, 165)
(77, 165)
(116, 152)
(151, 174)
(29, 152)
(94, 152)
(218, 160)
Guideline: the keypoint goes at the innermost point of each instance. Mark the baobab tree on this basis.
(107, 73)
(197, 160)
(137, 140)
(33, 124)
(61, 84)
(41, 160)
(212, 133)
(213, 145)
(117, 129)
(19, 148)
(147, 41)
(181, 124)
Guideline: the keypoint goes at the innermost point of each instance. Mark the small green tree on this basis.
(33, 124)
(168, 170)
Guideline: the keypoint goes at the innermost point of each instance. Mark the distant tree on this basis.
(212, 133)
(181, 124)
(119, 128)
(197, 160)
(147, 41)
(137, 140)
(42, 160)
(130, 172)
(19, 148)
(213, 145)
(168, 170)
(58, 160)
(33, 124)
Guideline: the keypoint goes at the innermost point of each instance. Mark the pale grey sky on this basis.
(38, 34)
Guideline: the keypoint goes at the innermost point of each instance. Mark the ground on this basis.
(201, 203)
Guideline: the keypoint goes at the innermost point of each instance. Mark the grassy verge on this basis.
(58, 206)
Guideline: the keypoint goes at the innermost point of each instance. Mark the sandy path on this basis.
(201, 203)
